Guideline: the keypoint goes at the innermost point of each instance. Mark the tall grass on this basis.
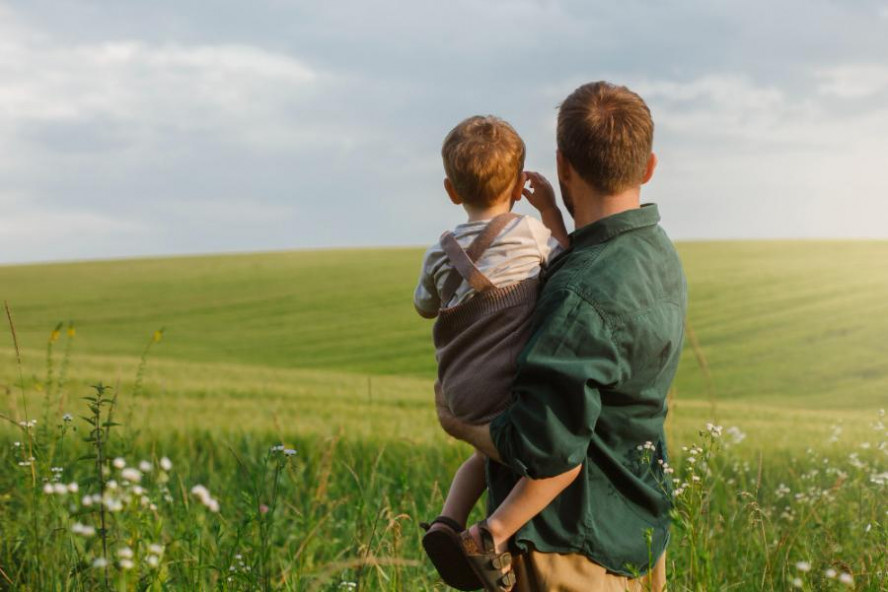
(87, 504)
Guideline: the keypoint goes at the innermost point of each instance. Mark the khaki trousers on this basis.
(554, 572)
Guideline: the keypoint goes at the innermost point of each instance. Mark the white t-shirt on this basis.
(517, 253)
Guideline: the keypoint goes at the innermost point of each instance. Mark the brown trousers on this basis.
(554, 572)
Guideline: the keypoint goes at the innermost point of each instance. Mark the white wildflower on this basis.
(803, 566)
(131, 474)
(830, 573)
(126, 563)
(145, 466)
(735, 434)
(67, 418)
(118, 462)
(100, 562)
(47, 488)
(166, 464)
(152, 560)
(289, 452)
(113, 504)
(59, 489)
(846, 579)
(86, 501)
(797, 583)
(155, 548)
(73, 487)
(203, 494)
(879, 478)
(83, 529)
(125, 553)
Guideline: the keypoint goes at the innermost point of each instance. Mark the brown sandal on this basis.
(444, 547)
(487, 564)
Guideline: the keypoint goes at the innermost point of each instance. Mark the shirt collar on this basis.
(607, 228)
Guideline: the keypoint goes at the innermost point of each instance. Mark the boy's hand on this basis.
(540, 193)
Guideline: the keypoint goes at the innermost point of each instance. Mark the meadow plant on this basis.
(87, 504)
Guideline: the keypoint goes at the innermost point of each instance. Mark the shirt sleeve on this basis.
(547, 244)
(567, 361)
(426, 300)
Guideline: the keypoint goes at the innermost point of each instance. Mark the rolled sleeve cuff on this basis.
(502, 432)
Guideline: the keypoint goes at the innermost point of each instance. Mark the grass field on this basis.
(321, 351)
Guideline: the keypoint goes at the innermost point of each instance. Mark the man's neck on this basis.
(591, 206)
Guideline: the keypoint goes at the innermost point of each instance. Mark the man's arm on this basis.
(568, 360)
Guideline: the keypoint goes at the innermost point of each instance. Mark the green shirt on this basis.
(591, 388)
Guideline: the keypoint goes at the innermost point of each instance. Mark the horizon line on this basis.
(237, 253)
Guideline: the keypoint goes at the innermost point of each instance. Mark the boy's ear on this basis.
(651, 166)
(451, 192)
(518, 189)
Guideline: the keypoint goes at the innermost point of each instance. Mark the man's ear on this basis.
(563, 166)
(451, 191)
(649, 171)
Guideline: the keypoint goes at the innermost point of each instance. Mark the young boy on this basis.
(481, 282)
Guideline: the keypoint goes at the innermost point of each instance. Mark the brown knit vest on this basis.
(477, 342)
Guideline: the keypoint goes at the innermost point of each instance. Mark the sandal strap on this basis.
(446, 521)
(486, 537)
(501, 561)
(507, 581)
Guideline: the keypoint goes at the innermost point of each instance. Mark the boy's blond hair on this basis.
(483, 158)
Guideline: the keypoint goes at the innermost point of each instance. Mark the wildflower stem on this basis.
(18, 358)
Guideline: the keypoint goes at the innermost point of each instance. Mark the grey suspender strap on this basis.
(463, 261)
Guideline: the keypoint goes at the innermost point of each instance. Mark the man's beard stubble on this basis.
(567, 199)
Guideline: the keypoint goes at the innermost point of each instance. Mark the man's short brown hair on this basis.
(483, 157)
(606, 133)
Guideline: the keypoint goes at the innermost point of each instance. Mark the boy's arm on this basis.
(425, 298)
(541, 196)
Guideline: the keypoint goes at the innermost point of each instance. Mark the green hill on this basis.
(802, 323)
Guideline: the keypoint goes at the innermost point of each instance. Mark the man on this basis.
(590, 389)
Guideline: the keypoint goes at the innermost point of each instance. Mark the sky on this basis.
(132, 128)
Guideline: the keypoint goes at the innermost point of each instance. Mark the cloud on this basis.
(191, 88)
(853, 81)
(278, 125)
(29, 231)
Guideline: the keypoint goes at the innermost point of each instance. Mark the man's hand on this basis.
(539, 193)
(476, 435)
